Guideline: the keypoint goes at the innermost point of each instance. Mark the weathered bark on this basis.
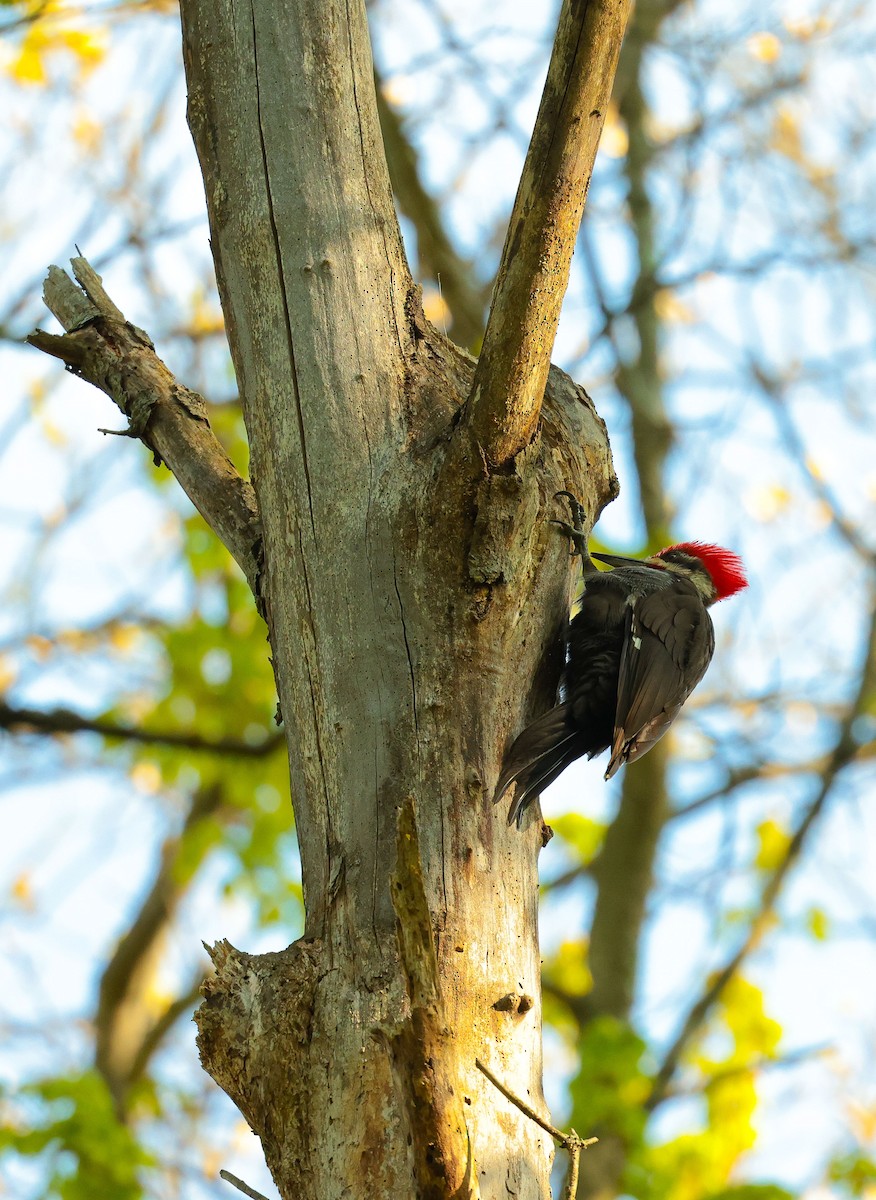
(414, 602)
(397, 571)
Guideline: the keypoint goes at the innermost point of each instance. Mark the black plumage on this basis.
(640, 643)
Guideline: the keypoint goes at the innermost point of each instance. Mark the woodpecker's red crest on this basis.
(725, 568)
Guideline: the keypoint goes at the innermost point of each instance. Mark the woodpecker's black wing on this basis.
(669, 644)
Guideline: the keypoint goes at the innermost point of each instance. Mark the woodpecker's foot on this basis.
(578, 510)
(575, 531)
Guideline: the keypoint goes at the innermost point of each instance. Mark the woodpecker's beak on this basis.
(617, 560)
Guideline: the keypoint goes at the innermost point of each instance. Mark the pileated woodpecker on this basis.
(638, 646)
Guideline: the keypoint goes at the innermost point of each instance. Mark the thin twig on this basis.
(570, 1142)
(526, 1109)
(241, 1186)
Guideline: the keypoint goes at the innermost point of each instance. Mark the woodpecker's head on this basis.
(716, 573)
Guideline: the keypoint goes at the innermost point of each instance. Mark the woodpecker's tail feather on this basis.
(534, 787)
(538, 756)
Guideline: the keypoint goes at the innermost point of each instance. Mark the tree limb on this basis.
(511, 374)
(118, 358)
(128, 1032)
(63, 720)
(624, 871)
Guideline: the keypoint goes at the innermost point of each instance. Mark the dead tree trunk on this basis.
(413, 590)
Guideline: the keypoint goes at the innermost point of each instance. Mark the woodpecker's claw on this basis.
(578, 510)
(570, 532)
(574, 532)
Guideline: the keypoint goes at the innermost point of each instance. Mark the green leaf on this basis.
(753, 1191)
(609, 1092)
(855, 1172)
(101, 1158)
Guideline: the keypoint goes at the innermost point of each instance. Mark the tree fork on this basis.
(414, 601)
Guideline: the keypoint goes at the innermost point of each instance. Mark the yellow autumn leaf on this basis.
(241, 1137)
(89, 47)
(137, 705)
(822, 515)
(156, 999)
(22, 890)
(124, 638)
(146, 777)
(802, 716)
(28, 66)
(799, 27)
(37, 390)
(765, 47)
(435, 307)
(731, 1103)
(399, 90)
(819, 923)
(862, 1119)
(583, 834)
(53, 433)
(73, 639)
(46, 36)
(772, 845)
(8, 673)
(805, 28)
(785, 136)
(87, 132)
(767, 501)
(669, 307)
(754, 1033)
(40, 647)
(570, 969)
(211, 1163)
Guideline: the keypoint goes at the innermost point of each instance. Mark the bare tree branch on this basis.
(511, 374)
(127, 1031)
(623, 871)
(118, 358)
(63, 720)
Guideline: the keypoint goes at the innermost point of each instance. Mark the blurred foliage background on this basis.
(708, 929)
